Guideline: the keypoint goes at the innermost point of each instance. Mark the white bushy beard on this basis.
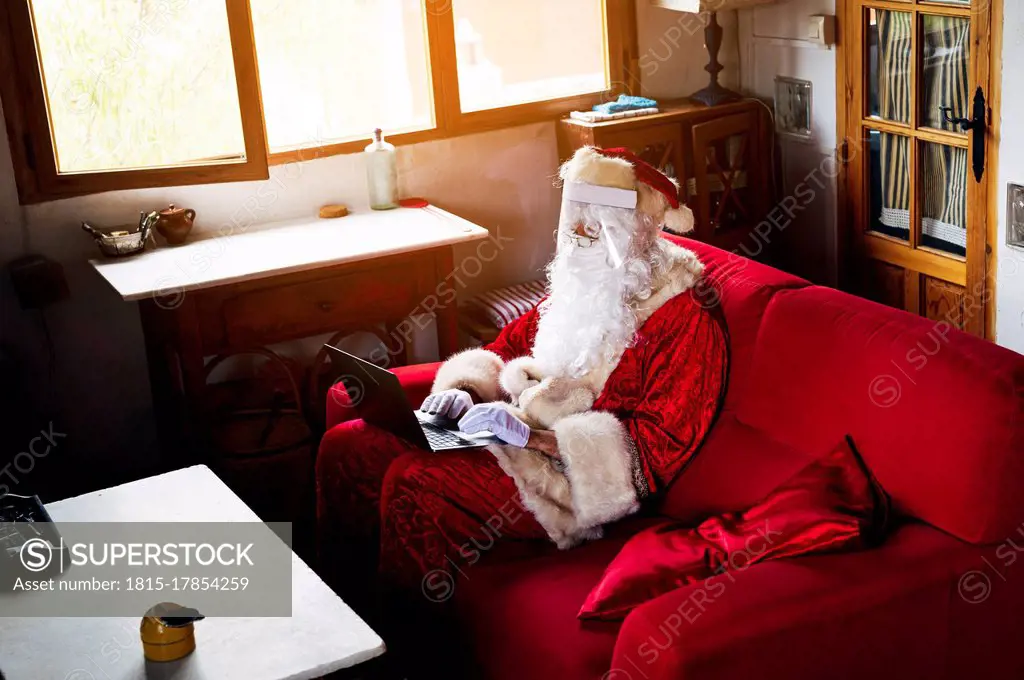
(590, 317)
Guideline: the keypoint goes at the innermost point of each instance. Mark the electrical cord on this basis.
(774, 172)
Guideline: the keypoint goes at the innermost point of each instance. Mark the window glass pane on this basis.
(944, 213)
(529, 50)
(138, 83)
(889, 53)
(947, 59)
(334, 70)
(890, 184)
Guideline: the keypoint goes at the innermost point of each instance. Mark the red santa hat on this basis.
(619, 178)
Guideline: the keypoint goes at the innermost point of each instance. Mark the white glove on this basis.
(498, 421)
(447, 404)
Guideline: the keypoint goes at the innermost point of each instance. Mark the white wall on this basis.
(1010, 261)
(99, 392)
(672, 54)
(770, 45)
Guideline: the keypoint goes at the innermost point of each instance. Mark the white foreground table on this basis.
(322, 635)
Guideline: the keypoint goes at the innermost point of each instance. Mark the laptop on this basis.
(379, 399)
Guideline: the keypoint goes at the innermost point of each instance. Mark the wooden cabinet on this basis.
(659, 145)
(720, 155)
(377, 295)
(277, 309)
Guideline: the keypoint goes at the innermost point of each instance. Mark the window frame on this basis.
(34, 155)
(30, 134)
(622, 63)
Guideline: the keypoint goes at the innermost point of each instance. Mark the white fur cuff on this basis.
(553, 399)
(519, 375)
(473, 369)
(598, 456)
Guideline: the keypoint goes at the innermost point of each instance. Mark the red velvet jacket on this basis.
(666, 389)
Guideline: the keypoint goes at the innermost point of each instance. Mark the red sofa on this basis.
(937, 415)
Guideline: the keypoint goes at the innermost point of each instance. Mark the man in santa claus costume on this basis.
(602, 394)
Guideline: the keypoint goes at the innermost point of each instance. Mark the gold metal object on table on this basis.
(168, 633)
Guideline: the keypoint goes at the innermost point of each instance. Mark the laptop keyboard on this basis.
(438, 437)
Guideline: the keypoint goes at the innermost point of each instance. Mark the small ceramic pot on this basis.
(174, 224)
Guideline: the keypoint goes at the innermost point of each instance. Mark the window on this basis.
(538, 60)
(118, 94)
(102, 120)
(337, 69)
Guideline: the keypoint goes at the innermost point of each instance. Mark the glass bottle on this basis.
(381, 173)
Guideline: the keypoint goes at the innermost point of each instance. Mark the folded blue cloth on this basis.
(626, 102)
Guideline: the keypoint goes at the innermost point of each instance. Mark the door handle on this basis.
(978, 125)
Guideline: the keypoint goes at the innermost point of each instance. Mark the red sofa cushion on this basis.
(889, 612)
(743, 288)
(735, 467)
(831, 505)
(936, 413)
(517, 609)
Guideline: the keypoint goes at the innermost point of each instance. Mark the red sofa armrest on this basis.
(416, 380)
(877, 613)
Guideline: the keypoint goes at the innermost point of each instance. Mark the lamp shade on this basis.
(695, 6)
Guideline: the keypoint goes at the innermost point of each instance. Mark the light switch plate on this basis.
(1015, 216)
(821, 30)
(793, 107)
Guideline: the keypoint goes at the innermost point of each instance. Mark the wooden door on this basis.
(916, 194)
